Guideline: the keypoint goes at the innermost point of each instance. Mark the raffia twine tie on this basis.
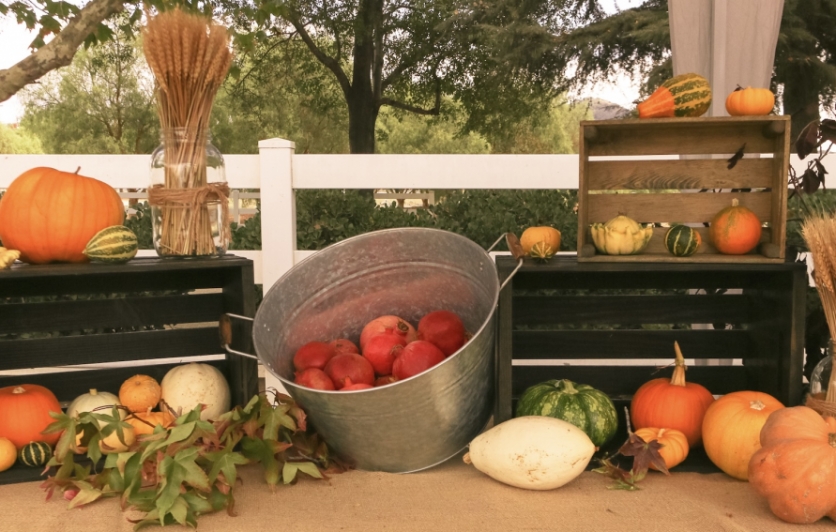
(817, 402)
(193, 198)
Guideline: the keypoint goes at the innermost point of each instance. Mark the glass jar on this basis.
(188, 195)
(820, 377)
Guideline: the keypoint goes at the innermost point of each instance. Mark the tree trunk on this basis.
(362, 116)
(801, 100)
(362, 106)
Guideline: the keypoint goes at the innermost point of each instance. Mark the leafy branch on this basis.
(176, 474)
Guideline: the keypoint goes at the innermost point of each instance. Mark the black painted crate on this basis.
(127, 312)
(564, 310)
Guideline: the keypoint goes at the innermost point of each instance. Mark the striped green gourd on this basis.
(682, 241)
(582, 405)
(683, 95)
(35, 454)
(114, 244)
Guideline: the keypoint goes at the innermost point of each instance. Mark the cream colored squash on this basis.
(88, 402)
(184, 387)
(112, 443)
(532, 452)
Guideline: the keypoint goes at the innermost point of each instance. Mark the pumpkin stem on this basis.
(734, 202)
(77, 170)
(94, 391)
(19, 390)
(678, 378)
(739, 88)
(832, 439)
(567, 386)
(757, 405)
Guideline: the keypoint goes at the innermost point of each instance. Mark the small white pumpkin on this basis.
(186, 386)
(532, 452)
(88, 402)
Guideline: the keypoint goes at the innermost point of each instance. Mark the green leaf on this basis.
(309, 468)
(86, 495)
(179, 510)
(289, 472)
(194, 474)
(224, 462)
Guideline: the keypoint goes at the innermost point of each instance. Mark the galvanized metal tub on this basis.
(415, 423)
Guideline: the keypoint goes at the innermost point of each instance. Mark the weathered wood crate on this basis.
(584, 321)
(140, 312)
(633, 167)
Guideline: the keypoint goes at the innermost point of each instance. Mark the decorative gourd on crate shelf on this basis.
(115, 244)
(35, 454)
(682, 241)
(540, 242)
(735, 230)
(620, 236)
(683, 95)
(750, 102)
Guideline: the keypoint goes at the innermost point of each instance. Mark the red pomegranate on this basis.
(381, 351)
(314, 378)
(443, 329)
(390, 323)
(384, 380)
(343, 345)
(349, 386)
(313, 355)
(349, 366)
(416, 357)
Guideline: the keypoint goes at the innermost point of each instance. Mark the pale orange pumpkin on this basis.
(675, 446)
(8, 454)
(24, 414)
(146, 422)
(672, 403)
(49, 215)
(750, 102)
(732, 427)
(540, 242)
(735, 230)
(795, 468)
(140, 393)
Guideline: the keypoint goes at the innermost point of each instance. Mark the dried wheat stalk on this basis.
(819, 232)
(189, 56)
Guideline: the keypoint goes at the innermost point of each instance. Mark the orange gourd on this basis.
(49, 215)
(146, 422)
(674, 444)
(750, 102)
(673, 404)
(24, 414)
(735, 230)
(795, 468)
(8, 454)
(731, 429)
(540, 242)
(140, 393)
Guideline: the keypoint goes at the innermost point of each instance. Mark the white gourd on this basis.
(532, 452)
(88, 402)
(186, 386)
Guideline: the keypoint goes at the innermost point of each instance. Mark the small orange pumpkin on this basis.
(732, 427)
(49, 215)
(674, 444)
(24, 414)
(750, 102)
(146, 422)
(540, 242)
(140, 393)
(735, 230)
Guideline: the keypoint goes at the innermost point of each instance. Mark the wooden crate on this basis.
(620, 156)
(128, 312)
(572, 320)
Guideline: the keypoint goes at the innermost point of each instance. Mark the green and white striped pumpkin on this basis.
(114, 244)
(683, 95)
(35, 454)
(589, 409)
(682, 241)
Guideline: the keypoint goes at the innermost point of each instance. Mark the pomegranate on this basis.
(416, 357)
(349, 366)
(384, 380)
(352, 386)
(382, 349)
(443, 329)
(313, 355)
(390, 323)
(343, 345)
(314, 378)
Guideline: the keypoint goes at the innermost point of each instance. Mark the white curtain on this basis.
(729, 42)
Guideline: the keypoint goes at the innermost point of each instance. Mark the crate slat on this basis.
(687, 207)
(689, 174)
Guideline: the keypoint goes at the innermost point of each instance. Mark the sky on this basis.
(15, 39)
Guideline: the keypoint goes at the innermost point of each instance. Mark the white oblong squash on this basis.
(532, 452)
(186, 386)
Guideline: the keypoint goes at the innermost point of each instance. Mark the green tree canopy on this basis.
(18, 140)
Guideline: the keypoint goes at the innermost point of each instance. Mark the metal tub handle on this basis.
(513, 243)
(225, 332)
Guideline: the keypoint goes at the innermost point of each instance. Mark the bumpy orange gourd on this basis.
(146, 422)
(24, 414)
(140, 393)
(673, 404)
(674, 444)
(49, 215)
(750, 102)
(731, 429)
(735, 230)
(540, 242)
(795, 468)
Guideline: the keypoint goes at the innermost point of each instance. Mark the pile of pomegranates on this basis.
(390, 349)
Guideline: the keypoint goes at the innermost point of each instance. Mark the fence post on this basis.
(278, 209)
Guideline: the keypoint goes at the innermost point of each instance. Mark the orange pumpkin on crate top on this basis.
(735, 230)
(50, 216)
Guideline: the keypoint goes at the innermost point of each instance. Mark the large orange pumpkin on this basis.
(732, 427)
(49, 215)
(795, 468)
(735, 230)
(673, 404)
(24, 414)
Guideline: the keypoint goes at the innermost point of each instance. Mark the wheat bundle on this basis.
(189, 56)
(819, 232)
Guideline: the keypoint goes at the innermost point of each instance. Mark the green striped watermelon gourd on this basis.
(587, 408)
(682, 241)
(35, 454)
(114, 244)
(683, 95)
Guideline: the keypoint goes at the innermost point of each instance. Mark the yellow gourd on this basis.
(112, 443)
(8, 454)
(540, 242)
(146, 422)
(8, 257)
